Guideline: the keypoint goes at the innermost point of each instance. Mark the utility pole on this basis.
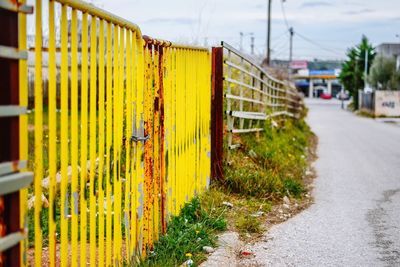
(268, 50)
(291, 44)
(291, 50)
(398, 56)
(366, 63)
(241, 41)
(252, 44)
(366, 86)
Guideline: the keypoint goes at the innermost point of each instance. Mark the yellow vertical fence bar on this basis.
(127, 144)
(101, 143)
(74, 138)
(181, 130)
(156, 145)
(38, 133)
(197, 96)
(23, 129)
(168, 133)
(117, 226)
(163, 141)
(174, 137)
(84, 136)
(186, 160)
(178, 118)
(52, 133)
(93, 139)
(190, 87)
(64, 136)
(120, 128)
(109, 142)
(167, 138)
(207, 121)
(148, 149)
(169, 159)
(139, 131)
(200, 92)
(179, 105)
(131, 209)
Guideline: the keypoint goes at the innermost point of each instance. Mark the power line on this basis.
(316, 44)
(290, 29)
(281, 52)
(283, 49)
(279, 44)
(284, 15)
(279, 39)
(283, 42)
(304, 37)
(279, 36)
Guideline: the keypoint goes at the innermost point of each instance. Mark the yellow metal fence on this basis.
(119, 145)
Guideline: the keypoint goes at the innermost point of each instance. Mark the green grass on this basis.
(187, 233)
(279, 165)
(249, 225)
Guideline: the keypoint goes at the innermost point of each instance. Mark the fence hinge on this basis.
(140, 138)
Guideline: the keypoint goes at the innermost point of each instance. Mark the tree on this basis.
(352, 75)
(383, 74)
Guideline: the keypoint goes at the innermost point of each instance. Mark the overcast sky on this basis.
(334, 25)
(326, 28)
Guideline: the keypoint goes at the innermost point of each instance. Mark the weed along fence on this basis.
(118, 144)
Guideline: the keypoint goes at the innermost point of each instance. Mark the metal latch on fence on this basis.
(140, 138)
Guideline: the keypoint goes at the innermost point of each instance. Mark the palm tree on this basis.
(352, 76)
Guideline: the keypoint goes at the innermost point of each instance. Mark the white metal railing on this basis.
(253, 96)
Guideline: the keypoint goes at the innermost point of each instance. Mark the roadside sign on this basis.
(298, 64)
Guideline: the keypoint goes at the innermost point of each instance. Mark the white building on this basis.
(391, 50)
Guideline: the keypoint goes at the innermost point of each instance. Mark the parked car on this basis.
(325, 95)
(343, 95)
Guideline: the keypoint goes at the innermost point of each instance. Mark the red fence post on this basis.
(217, 120)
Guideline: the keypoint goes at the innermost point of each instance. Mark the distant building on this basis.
(390, 50)
(316, 77)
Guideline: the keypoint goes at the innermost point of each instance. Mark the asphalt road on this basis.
(355, 220)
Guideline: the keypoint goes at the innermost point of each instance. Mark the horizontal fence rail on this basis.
(254, 96)
(118, 142)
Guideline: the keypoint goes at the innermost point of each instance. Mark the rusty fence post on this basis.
(10, 179)
(217, 120)
(9, 95)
